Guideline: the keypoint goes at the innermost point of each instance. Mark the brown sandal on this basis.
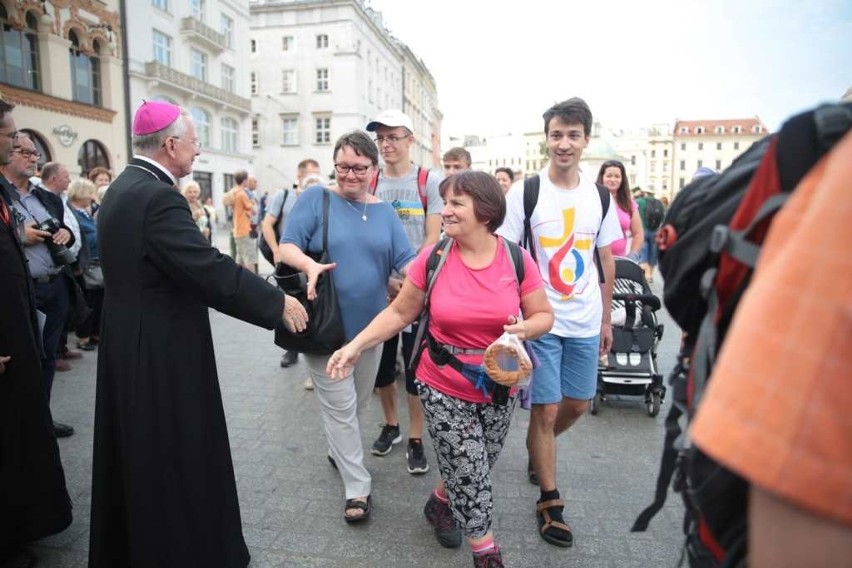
(554, 532)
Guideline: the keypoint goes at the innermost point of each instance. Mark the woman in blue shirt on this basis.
(366, 243)
(81, 195)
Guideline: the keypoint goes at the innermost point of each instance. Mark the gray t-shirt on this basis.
(403, 195)
(274, 207)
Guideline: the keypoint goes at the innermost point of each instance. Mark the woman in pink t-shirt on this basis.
(614, 178)
(474, 299)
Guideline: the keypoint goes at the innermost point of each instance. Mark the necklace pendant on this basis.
(363, 217)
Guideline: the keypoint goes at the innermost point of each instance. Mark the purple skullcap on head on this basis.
(154, 116)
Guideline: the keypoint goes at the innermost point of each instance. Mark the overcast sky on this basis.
(499, 65)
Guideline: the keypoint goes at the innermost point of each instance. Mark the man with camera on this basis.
(45, 238)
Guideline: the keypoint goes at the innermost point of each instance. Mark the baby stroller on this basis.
(631, 364)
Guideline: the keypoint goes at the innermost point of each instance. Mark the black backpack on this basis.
(532, 185)
(709, 245)
(654, 213)
(262, 244)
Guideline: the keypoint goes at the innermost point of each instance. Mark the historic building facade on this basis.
(61, 65)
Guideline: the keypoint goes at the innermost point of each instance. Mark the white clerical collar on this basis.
(158, 165)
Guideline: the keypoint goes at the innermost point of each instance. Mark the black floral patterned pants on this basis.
(468, 438)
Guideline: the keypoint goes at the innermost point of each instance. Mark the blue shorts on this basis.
(568, 367)
(649, 249)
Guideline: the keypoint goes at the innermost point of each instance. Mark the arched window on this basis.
(92, 154)
(40, 145)
(85, 72)
(229, 135)
(19, 53)
(202, 125)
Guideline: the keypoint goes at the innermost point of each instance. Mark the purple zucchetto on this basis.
(154, 116)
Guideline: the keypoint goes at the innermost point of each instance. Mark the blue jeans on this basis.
(52, 300)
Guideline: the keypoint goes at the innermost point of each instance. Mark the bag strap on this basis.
(422, 178)
(603, 193)
(325, 202)
(513, 251)
(532, 185)
(434, 263)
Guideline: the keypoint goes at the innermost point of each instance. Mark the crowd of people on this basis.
(128, 264)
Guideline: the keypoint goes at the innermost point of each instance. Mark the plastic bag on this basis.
(506, 361)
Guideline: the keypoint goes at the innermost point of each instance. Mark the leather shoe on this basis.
(86, 346)
(289, 359)
(62, 430)
(71, 354)
(62, 365)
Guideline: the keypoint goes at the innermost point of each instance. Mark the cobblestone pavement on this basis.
(292, 500)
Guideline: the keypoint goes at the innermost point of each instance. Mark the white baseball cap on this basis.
(391, 118)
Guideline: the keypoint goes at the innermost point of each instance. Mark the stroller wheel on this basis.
(595, 404)
(652, 403)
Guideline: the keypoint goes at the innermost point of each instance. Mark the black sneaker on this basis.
(384, 443)
(439, 516)
(415, 457)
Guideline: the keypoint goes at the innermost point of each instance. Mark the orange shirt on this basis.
(242, 214)
(778, 409)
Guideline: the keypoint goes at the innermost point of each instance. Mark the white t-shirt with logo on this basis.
(566, 225)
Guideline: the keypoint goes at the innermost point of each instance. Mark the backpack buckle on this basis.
(707, 280)
(719, 238)
(832, 121)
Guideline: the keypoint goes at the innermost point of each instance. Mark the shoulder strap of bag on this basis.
(325, 202)
(434, 263)
(374, 181)
(532, 185)
(513, 251)
(422, 178)
(603, 193)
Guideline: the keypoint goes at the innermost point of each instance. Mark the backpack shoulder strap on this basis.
(513, 251)
(422, 178)
(374, 181)
(603, 193)
(434, 263)
(532, 185)
(283, 202)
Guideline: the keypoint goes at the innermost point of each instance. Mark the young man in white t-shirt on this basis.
(397, 183)
(567, 225)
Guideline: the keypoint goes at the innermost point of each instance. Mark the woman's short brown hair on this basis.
(489, 203)
(96, 171)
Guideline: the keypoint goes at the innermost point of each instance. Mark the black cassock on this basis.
(163, 489)
(33, 499)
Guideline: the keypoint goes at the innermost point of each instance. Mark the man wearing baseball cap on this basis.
(163, 490)
(418, 204)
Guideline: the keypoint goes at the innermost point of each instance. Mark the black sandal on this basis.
(364, 506)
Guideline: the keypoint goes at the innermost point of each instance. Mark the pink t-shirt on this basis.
(468, 309)
(619, 247)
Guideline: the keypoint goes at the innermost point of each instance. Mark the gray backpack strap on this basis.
(434, 263)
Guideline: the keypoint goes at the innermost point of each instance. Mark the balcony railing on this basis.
(202, 33)
(156, 70)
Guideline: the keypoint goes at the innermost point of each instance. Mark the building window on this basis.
(85, 72)
(653, 153)
(720, 130)
(682, 165)
(322, 41)
(19, 58)
(162, 48)
(684, 130)
(699, 130)
(253, 83)
(288, 81)
(253, 46)
(683, 145)
(700, 164)
(288, 43)
(682, 182)
(228, 181)
(197, 9)
(226, 27)
(322, 80)
(701, 145)
(718, 145)
(229, 135)
(737, 129)
(633, 160)
(291, 131)
(666, 153)
(91, 155)
(255, 132)
(756, 129)
(323, 131)
(736, 145)
(228, 78)
(161, 4)
(718, 165)
(198, 64)
(201, 118)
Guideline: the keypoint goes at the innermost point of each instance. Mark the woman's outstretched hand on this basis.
(313, 274)
(341, 362)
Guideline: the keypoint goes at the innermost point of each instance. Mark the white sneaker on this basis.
(309, 384)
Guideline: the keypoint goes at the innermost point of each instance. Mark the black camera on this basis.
(58, 253)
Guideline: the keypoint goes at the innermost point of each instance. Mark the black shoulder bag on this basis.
(324, 333)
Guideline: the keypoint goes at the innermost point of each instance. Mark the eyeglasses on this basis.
(196, 143)
(10, 135)
(391, 139)
(27, 153)
(344, 169)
